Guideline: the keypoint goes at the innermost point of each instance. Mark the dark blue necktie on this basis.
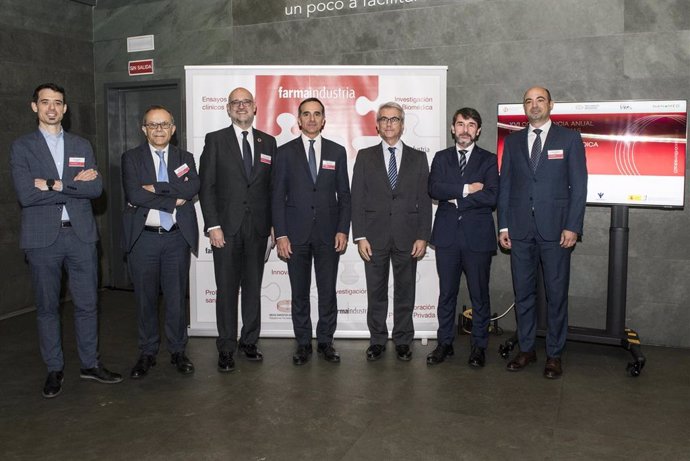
(463, 161)
(312, 160)
(392, 168)
(536, 150)
(166, 218)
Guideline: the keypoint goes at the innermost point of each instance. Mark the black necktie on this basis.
(463, 161)
(536, 150)
(246, 154)
(312, 159)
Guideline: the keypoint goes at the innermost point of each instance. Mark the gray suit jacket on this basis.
(138, 169)
(30, 158)
(380, 213)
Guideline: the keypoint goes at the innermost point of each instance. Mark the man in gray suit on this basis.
(391, 222)
(55, 178)
(160, 229)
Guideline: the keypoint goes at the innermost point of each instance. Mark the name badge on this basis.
(328, 165)
(555, 154)
(266, 159)
(181, 170)
(77, 162)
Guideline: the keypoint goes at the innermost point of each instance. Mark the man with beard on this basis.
(541, 208)
(464, 180)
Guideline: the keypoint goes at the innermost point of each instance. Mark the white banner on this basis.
(351, 96)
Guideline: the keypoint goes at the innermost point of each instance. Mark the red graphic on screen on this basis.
(277, 95)
(624, 144)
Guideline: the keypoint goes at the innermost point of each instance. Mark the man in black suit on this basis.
(311, 218)
(541, 208)
(464, 180)
(391, 223)
(235, 195)
(55, 177)
(160, 228)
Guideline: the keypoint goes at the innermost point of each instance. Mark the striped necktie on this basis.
(392, 168)
(166, 218)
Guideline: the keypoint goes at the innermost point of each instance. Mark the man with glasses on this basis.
(235, 195)
(160, 228)
(391, 223)
(55, 178)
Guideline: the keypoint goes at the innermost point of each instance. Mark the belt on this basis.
(161, 230)
(65, 224)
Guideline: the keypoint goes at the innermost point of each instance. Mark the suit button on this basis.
(312, 207)
(244, 203)
(314, 189)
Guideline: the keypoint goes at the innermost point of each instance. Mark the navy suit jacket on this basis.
(226, 192)
(30, 158)
(380, 213)
(138, 169)
(473, 214)
(299, 203)
(556, 193)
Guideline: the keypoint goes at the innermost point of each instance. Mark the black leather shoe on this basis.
(226, 363)
(329, 352)
(53, 385)
(477, 357)
(553, 369)
(375, 351)
(142, 367)
(100, 374)
(302, 355)
(439, 354)
(182, 363)
(404, 352)
(251, 352)
(522, 360)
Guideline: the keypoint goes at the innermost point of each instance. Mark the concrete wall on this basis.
(494, 50)
(40, 41)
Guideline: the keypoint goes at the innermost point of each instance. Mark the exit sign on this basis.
(142, 67)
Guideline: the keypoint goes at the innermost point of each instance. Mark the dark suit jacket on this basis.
(474, 212)
(557, 192)
(30, 158)
(226, 192)
(380, 213)
(138, 169)
(298, 203)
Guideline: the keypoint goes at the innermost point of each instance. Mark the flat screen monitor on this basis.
(636, 150)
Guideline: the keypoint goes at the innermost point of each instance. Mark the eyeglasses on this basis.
(392, 120)
(241, 102)
(161, 125)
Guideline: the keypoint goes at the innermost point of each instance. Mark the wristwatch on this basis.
(50, 183)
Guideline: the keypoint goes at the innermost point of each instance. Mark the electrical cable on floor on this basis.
(493, 321)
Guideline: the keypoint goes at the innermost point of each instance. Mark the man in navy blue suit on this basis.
(311, 218)
(160, 228)
(541, 208)
(55, 177)
(464, 180)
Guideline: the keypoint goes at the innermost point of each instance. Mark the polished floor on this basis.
(355, 410)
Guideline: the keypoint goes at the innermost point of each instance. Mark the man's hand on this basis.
(180, 202)
(216, 237)
(283, 247)
(86, 175)
(418, 248)
(364, 249)
(40, 184)
(474, 187)
(149, 187)
(504, 240)
(340, 242)
(273, 237)
(568, 238)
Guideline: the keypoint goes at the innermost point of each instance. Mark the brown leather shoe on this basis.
(552, 369)
(522, 360)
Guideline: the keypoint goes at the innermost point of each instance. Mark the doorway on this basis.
(125, 104)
